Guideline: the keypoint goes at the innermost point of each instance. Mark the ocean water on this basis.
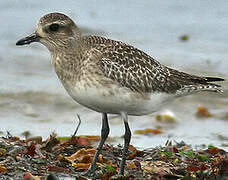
(32, 98)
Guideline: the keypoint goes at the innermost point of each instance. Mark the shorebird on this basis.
(111, 77)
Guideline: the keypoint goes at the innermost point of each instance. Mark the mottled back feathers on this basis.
(134, 69)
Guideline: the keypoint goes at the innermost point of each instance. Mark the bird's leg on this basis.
(76, 130)
(127, 138)
(104, 135)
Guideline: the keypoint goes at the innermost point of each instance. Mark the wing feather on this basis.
(136, 70)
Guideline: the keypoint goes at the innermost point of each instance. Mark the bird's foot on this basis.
(89, 173)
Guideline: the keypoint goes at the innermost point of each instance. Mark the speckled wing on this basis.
(139, 72)
(136, 70)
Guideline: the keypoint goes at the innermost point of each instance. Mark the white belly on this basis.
(117, 99)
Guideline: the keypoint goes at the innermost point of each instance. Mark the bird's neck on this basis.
(61, 53)
(67, 61)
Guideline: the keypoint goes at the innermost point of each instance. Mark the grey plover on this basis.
(111, 77)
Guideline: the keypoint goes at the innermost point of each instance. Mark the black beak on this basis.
(29, 39)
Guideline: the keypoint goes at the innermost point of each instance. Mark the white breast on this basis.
(116, 99)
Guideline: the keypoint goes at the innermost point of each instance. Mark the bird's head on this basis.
(54, 30)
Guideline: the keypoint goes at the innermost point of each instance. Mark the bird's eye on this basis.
(54, 27)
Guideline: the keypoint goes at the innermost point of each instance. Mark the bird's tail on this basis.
(193, 83)
(204, 84)
(207, 80)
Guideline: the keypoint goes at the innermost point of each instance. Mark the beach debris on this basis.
(68, 156)
(203, 112)
(166, 117)
(148, 131)
(184, 37)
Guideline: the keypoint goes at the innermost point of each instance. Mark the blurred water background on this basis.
(32, 98)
